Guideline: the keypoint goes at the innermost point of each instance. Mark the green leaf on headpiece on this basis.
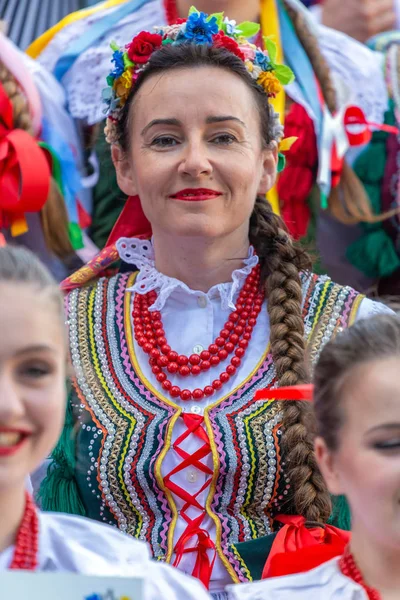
(248, 29)
(114, 46)
(193, 10)
(127, 62)
(110, 80)
(167, 41)
(281, 162)
(219, 18)
(271, 48)
(284, 74)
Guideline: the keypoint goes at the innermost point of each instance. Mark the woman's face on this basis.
(32, 380)
(196, 157)
(366, 465)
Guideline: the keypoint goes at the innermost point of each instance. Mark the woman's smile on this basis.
(196, 195)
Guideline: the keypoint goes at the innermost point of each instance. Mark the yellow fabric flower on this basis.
(123, 85)
(270, 83)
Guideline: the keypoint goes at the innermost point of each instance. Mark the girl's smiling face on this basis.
(32, 379)
(196, 157)
(365, 467)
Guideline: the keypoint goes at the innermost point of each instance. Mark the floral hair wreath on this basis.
(198, 28)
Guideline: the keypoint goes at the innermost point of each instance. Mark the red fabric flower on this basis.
(220, 40)
(142, 46)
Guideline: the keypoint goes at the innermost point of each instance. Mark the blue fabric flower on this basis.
(118, 60)
(262, 61)
(231, 28)
(199, 29)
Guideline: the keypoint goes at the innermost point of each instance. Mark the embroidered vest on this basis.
(125, 427)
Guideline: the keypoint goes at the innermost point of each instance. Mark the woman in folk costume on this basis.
(331, 71)
(33, 362)
(171, 446)
(357, 449)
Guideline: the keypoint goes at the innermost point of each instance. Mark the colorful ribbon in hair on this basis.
(24, 172)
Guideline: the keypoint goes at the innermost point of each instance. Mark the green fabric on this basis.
(374, 253)
(59, 491)
(340, 516)
(108, 200)
(255, 553)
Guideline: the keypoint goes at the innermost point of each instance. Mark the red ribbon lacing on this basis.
(204, 565)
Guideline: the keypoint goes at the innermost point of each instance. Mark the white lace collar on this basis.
(141, 254)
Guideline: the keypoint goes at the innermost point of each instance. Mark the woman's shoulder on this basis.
(322, 286)
(78, 544)
(326, 581)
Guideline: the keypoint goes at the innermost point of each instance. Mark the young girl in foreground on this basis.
(33, 359)
(357, 404)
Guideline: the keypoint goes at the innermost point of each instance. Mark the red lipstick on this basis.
(11, 440)
(196, 195)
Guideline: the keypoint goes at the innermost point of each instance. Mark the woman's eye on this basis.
(34, 371)
(224, 139)
(389, 445)
(164, 141)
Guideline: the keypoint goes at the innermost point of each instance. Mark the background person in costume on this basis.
(42, 194)
(341, 67)
(171, 445)
(33, 361)
(357, 404)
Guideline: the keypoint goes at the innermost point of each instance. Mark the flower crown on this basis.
(198, 28)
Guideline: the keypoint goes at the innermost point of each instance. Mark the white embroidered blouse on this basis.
(78, 545)
(206, 313)
(326, 582)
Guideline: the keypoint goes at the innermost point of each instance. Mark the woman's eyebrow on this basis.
(223, 118)
(154, 122)
(388, 426)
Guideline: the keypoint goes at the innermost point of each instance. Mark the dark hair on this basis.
(281, 262)
(377, 338)
(19, 265)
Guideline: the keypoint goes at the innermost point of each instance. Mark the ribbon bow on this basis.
(349, 127)
(24, 172)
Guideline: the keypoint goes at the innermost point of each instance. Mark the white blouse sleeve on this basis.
(168, 583)
(370, 308)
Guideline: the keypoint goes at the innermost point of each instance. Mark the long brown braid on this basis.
(53, 215)
(281, 262)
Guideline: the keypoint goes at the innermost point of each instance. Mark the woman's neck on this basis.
(379, 565)
(12, 507)
(239, 10)
(200, 263)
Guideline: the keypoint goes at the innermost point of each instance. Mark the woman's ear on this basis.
(124, 171)
(327, 464)
(270, 165)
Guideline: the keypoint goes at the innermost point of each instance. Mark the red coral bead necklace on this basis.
(27, 543)
(233, 340)
(349, 568)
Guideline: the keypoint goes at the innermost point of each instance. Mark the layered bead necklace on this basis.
(233, 339)
(27, 542)
(349, 568)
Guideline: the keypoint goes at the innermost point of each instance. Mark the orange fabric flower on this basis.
(270, 83)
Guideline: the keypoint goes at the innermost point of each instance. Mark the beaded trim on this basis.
(126, 428)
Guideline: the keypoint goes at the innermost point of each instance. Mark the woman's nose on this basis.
(11, 400)
(195, 161)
